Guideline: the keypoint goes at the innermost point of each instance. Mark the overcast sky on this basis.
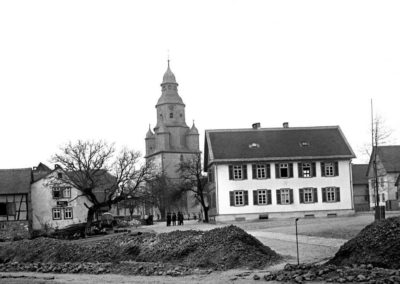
(92, 69)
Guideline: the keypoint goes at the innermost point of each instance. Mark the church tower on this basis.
(172, 140)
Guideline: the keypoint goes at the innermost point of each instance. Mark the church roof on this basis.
(150, 133)
(270, 144)
(169, 77)
(169, 89)
(193, 129)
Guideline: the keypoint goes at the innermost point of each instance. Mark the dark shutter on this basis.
(291, 170)
(337, 194)
(313, 170)
(322, 169)
(268, 170)
(277, 174)
(269, 197)
(291, 195)
(300, 169)
(301, 195)
(232, 198)
(246, 197)
(244, 168)
(231, 173)
(336, 168)
(278, 196)
(254, 168)
(315, 195)
(323, 194)
(255, 197)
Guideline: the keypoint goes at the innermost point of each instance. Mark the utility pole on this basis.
(374, 136)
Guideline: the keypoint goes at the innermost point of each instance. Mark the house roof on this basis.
(390, 157)
(325, 142)
(360, 174)
(13, 181)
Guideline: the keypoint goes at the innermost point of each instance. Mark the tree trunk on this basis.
(89, 220)
(205, 208)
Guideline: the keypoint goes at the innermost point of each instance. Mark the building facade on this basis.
(171, 140)
(278, 172)
(388, 171)
(360, 187)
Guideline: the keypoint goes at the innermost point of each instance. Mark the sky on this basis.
(74, 70)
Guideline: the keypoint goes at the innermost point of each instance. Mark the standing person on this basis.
(168, 219)
(180, 218)
(173, 219)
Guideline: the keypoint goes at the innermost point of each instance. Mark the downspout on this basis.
(216, 190)
(351, 185)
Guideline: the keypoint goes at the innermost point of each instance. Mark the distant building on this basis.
(278, 172)
(388, 169)
(15, 206)
(172, 140)
(360, 187)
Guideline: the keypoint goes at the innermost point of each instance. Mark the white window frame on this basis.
(261, 171)
(306, 169)
(308, 195)
(262, 197)
(237, 171)
(59, 190)
(330, 194)
(239, 197)
(329, 169)
(56, 212)
(284, 166)
(285, 196)
(66, 192)
(68, 213)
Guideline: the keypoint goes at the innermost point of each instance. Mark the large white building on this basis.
(278, 172)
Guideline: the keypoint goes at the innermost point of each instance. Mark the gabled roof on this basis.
(360, 174)
(389, 156)
(15, 181)
(229, 145)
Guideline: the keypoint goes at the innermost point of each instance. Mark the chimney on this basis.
(256, 125)
(286, 125)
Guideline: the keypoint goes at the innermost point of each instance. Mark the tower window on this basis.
(181, 115)
(171, 115)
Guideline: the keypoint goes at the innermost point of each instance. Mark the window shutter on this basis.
(315, 195)
(255, 197)
(301, 195)
(246, 197)
(231, 173)
(244, 168)
(337, 189)
(323, 194)
(336, 168)
(268, 170)
(300, 169)
(232, 198)
(278, 196)
(291, 195)
(322, 169)
(313, 170)
(291, 170)
(277, 175)
(269, 196)
(254, 168)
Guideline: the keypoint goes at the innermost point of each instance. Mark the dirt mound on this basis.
(221, 248)
(377, 244)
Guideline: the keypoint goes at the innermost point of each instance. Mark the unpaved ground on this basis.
(277, 234)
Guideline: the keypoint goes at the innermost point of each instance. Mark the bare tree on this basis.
(193, 180)
(102, 176)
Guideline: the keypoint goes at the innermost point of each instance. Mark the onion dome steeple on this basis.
(193, 129)
(169, 77)
(150, 133)
(169, 89)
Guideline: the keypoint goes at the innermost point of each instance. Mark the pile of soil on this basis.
(377, 244)
(219, 249)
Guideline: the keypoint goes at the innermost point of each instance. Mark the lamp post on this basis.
(297, 242)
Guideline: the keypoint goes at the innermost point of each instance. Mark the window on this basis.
(261, 171)
(237, 172)
(56, 213)
(308, 195)
(306, 169)
(171, 115)
(210, 176)
(284, 196)
(284, 170)
(56, 192)
(67, 192)
(262, 197)
(329, 169)
(3, 209)
(68, 213)
(59, 175)
(61, 192)
(239, 198)
(331, 194)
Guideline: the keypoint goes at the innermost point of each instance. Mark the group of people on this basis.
(173, 218)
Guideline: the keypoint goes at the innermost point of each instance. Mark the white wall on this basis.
(224, 185)
(43, 202)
